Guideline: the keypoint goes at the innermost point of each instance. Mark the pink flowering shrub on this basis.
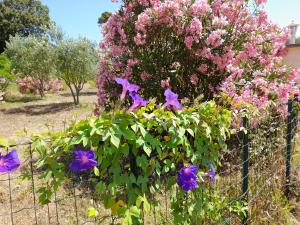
(3, 86)
(28, 85)
(198, 47)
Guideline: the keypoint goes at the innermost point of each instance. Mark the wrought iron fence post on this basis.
(75, 203)
(291, 125)
(56, 211)
(10, 197)
(245, 176)
(32, 183)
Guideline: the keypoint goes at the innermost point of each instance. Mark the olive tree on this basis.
(32, 57)
(76, 64)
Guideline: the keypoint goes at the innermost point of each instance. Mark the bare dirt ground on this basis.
(39, 115)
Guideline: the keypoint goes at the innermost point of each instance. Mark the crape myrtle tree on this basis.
(76, 64)
(32, 57)
(22, 17)
(196, 47)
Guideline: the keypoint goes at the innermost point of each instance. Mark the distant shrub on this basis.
(3, 86)
(28, 85)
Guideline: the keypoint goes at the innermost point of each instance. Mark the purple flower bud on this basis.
(211, 174)
(84, 160)
(172, 100)
(126, 87)
(187, 178)
(138, 101)
(9, 162)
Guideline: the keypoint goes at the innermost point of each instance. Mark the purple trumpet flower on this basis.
(172, 100)
(84, 160)
(9, 162)
(126, 87)
(211, 174)
(187, 178)
(138, 101)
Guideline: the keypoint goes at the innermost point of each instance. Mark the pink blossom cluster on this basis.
(218, 46)
(1, 95)
(3, 86)
(28, 85)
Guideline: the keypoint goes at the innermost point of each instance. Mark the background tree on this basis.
(104, 17)
(76, 64)
(23, 17)
(32, 57)
(298, 40)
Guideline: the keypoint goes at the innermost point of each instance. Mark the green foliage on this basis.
(204, 204)
(22, 17)
(104, 17)
(32, 56)
(5, 142)
(298, 40)
(76, 64)
(5, 70)
(139, 155)
(5, 75)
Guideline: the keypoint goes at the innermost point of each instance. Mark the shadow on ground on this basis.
(86, 93)
(34, 110)
(21, 99)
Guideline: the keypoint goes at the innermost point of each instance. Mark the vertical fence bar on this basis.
(48, 213)
(166, 201)
(245, 176)
(290, 126)
(75, 204)
(10, 197)
(56, 211)
(154, 208)
(33, 187)
(94, 205)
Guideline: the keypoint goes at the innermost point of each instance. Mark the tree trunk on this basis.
(78, 88)
(73, 93)
(41, 89)
(77, 94)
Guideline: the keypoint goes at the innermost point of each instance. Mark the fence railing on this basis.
(256, 165)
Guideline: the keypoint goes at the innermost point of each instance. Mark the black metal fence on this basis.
(258, 163)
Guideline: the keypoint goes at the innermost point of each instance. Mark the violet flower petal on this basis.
(126, 87)
(9, 162)
(84, 160)
(211, 174)
(172, 100)
(187, 178)
(138, 101)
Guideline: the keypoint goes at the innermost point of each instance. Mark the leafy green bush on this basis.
(138, 155)
(5, 75)
(5, 70)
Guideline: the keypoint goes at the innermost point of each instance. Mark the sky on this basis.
(79, 18)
